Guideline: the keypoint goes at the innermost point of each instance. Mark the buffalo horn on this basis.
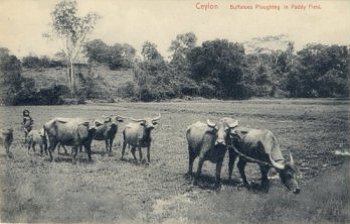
(85, 123)
(137, 120)
(156, 118)
(210, 124)
(233, 124)
(291, 158)
(118, 116)
(275, 164)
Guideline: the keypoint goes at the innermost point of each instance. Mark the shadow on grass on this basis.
(102, 153)
(209, 183)
(134, 162)
(70, 160)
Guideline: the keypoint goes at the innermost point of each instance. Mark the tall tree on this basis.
(319, 71)
(72, 30)
(218, 63)
(180, 47)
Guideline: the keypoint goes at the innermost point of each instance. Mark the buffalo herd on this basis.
(207, 141)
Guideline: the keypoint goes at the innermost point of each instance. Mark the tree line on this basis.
(215, 69)
(222, 69)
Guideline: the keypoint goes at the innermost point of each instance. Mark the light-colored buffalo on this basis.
(6, 139)
(137, 134)
(106, 130)
(208, 142)
(37, 137)
(261, 146)
(74, 132)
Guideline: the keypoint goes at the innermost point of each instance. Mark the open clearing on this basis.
(111, 190)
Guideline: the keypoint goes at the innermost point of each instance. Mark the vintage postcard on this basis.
(175, 111)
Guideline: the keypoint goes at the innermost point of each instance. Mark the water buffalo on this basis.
(261, 146)
(37, 137)
(73, 132)
(6, 139)
(208, 142)
(137, 134)
(107, 130)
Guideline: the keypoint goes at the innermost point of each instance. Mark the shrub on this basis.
(43, 62)
(129, 89)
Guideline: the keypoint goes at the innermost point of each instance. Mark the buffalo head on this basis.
(148, 123)
(288, 173)
(222, 129)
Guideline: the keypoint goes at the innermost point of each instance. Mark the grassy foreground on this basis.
(111, 190)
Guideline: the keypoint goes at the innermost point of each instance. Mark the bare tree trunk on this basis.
(69, 78)
(72, 78)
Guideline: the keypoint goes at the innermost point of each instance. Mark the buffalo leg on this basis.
(29, 145)
(264, 180)
(123, 150)
(231, 162)
(7, 147)
(41, 149)
(140, 154)
(110, 146)
(191, 158)
(241, 165)
(133, 149)
(199, 169)
(45, 146)
(148, 154)
(75, 152)
(88, 150)
(107, 145)
(218, 172)
(65, 150)
(51, 148)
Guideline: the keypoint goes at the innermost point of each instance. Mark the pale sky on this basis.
(22, 22)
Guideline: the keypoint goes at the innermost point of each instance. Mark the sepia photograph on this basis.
(175, 111)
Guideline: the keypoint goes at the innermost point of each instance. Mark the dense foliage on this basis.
(17, 90)
(215, 69)
(222, 69)
(319, 71)
(40, 62)
(116, 57)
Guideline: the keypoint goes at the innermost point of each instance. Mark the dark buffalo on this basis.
(106, 130)
(261, 146)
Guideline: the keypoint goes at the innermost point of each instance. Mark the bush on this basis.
(116, 57)
(129, 89)
(10, 77)
(43, 62)
(46, 96)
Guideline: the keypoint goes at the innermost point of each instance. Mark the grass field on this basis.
(110, 190)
